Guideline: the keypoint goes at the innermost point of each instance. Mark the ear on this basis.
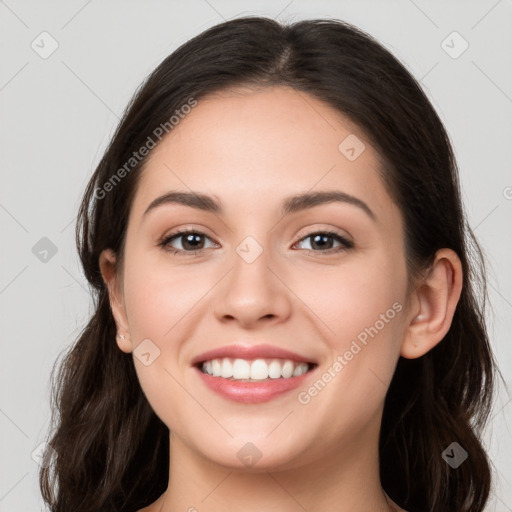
(107, 263)
(433, 305)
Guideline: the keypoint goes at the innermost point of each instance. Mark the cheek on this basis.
(349, 299)
(341, 303)
(359, 311)
(158, 296)
(161, 304)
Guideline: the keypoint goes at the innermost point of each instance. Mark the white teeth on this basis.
(298, 371)
(287, 370)
(274, 370)
(241, 369)
(216, 368)
(257, 369)
(226, 369)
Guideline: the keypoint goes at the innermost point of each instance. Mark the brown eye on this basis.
(190, 241)
(322, 240)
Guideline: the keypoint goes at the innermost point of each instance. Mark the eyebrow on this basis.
(290, 205)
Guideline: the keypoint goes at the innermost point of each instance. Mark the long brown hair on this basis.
(111, 450)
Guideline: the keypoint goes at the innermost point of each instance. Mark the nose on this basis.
(253, 292)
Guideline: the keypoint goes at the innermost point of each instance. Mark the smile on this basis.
(254, 370)
(242, 388)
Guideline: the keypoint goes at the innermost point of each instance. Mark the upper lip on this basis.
(250, 352)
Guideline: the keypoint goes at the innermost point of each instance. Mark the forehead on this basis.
(252, 147)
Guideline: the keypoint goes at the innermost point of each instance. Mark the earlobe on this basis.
(436, 299)
(107, 264)
(124, 343)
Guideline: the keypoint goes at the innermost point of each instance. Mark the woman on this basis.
(286, 316)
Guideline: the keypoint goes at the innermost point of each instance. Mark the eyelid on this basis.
(328, 231)
(304, 234)
(181, 232)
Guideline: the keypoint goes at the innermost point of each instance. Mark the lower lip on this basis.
(252, 392)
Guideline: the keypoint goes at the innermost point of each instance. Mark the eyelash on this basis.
(347, 244)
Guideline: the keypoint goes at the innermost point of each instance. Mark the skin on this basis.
(251, 149)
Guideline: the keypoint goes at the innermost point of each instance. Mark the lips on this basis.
(255, 391)
(251, 352)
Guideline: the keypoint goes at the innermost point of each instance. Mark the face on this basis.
(252, 274)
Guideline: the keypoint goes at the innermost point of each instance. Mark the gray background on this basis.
(58, 113)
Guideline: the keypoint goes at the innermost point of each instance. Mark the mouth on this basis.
(254, 370)
(253, 374)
